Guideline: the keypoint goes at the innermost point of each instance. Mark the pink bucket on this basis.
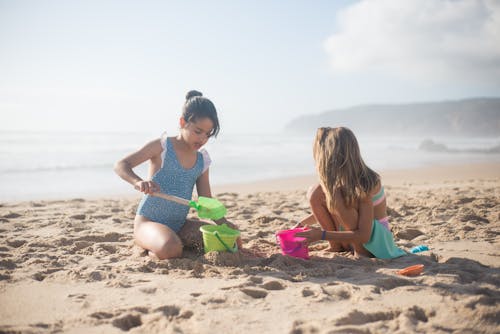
(292, 245)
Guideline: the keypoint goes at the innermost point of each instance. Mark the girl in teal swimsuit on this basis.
(177, 164)
(349, 203)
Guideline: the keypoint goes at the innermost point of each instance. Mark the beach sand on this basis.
(71, 265)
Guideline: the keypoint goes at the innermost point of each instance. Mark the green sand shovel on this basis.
(207, 207)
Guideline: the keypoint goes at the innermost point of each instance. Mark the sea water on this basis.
(51, 165)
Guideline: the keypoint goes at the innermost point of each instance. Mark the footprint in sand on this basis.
(393, 282)
(148, 290)
(101, 216)
(255, 279)
(7, 264)
(16, 243)
(359, 318)
(169, 311)
(214, 300)
(96, 276)
(338, 292)
(273, 285)
(79, 245)
(108, 237)
(5, 277)
(307, 292)
(12, 215)
(409, 234)
(416, 314)
(299, 327)
(254, 292)
(78, 297)
(474, 218)
(127, 322)
(41, 275)
(101, 315)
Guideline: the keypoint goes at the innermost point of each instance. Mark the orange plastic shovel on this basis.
(412, 270)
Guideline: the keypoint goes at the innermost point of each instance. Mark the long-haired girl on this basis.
(349, 203)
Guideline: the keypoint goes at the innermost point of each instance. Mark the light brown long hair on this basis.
(340, 166)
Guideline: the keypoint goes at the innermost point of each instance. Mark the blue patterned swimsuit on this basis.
(176, 180)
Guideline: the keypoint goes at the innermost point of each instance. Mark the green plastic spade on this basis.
(207, 207)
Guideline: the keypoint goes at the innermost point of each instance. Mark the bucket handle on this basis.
(290, 251)
(232, 250)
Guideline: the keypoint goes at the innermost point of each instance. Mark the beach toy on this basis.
(219, 238)
(412, 270)
(206, 207)
(292, 245)
(419, 248)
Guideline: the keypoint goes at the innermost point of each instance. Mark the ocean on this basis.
(59, 165)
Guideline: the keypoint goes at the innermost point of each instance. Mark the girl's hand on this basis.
(223, 220)
(306, 221)
(147, 187)
(233, 226)
(311, 235)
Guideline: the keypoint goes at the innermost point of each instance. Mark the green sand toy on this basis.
(219, 238)
(207, 207)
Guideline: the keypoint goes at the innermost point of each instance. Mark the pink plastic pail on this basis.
(292, 245)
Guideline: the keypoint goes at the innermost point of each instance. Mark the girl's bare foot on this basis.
(335, 248)
(153, 256)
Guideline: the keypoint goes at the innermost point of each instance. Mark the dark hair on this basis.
(197, 106)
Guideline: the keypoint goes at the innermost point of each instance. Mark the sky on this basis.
(105, 65)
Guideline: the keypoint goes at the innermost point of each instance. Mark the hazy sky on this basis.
(126, 65)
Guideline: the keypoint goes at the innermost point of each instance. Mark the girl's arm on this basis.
(203, 189)
(361, 234)
(203, 185)
(124, 167)
(306, 221)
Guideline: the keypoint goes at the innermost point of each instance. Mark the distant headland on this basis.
(474, 117)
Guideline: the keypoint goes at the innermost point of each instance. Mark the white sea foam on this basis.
(36, 165)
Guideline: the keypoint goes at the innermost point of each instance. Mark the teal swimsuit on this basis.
(176, 180)
(381, 243)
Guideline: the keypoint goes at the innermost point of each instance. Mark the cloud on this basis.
(429, 39)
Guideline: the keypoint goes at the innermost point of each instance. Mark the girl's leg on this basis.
(191, 235)
(317, 200)
(160, 240)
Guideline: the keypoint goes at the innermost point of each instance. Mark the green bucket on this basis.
(219, 238)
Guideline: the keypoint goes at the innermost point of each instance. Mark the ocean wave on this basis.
(56, 168)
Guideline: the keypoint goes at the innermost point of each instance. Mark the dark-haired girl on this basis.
(177, 164)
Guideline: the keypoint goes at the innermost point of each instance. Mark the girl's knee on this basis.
(160, 243)
(170, 249)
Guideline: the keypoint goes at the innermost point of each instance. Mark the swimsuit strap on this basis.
(379, 197)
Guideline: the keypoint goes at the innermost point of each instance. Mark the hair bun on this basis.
(193, 93)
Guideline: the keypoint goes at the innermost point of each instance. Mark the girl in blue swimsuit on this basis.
(177, 164)
(349, 203)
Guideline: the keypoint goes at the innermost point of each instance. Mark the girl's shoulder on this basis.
(377, 188)
(373, 192)
(164, 138)
(207, 161)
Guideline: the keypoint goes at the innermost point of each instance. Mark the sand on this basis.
(71, 265)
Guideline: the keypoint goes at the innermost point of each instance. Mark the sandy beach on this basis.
(71, 265)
